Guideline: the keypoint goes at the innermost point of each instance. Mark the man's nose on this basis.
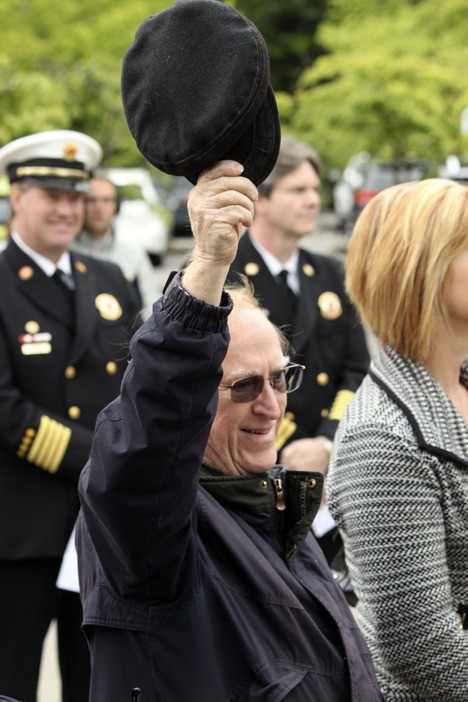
(269, 401)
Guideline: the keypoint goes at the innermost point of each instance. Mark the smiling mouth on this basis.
(261, 432)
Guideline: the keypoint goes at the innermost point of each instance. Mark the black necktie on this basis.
(289, 300)
(64, 279)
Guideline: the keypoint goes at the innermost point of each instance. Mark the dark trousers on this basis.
(29, 600)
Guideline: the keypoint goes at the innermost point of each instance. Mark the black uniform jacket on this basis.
(326, 337)
(61, 361)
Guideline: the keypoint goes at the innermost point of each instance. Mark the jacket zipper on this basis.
(279, 495)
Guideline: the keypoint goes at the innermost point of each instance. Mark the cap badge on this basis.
(330, 305)
(251, 269)
(25, 273)
(108, 306)
(69, 151)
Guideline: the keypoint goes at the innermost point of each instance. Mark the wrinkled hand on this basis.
(220, 207)
(306, 454)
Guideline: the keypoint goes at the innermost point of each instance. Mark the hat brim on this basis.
(64, 184)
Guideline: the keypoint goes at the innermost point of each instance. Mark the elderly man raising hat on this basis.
(65, 321)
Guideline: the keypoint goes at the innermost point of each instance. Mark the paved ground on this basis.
(326, 240)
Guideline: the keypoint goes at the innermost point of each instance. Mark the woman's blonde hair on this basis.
(399, 254)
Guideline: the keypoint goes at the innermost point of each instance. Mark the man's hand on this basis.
(220, 207)
(306, 454)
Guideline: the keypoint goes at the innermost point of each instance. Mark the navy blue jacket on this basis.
(201, 590)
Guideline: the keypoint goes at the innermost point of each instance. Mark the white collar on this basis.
(275, 267)
(45, 264)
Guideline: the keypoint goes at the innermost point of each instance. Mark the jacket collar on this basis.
(438, 426)
(280, 501)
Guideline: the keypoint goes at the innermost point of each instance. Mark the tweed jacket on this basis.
(61, 361)
(398, 489)
(325, 336)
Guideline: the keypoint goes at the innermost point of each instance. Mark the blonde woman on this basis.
(398, 482)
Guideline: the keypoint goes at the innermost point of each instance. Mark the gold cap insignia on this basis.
(308, 270)
(31, 327)
(25, 273)
(251, 268)
(69, 151)
(108, 306)
(81, 267)
(330, 305)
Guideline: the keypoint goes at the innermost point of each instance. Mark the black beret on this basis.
(195, 90)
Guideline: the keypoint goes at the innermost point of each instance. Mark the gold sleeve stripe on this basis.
(49, 445)
(339, 405)
(286, 429)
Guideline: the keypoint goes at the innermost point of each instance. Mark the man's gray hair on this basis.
(291, 154)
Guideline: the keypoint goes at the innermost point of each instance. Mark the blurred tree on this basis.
(393, 82)
(289, 29)
(60, 68)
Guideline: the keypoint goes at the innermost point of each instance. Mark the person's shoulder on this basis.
(102, 268)
(327, 271)
(322, 262)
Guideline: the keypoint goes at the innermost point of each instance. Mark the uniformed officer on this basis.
(304, 294)
(65, 321)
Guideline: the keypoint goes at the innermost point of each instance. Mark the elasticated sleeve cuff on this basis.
(194, 313)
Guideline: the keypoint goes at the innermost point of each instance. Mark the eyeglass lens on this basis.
(286, 380)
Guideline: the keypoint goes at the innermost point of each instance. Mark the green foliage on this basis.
(384, 76)
(393, 82)
(289, 29)
(60, 68)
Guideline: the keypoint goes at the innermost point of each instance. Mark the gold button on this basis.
(74, 412)
(70, 372)
(322, 379)
(324, 412)
(311, 483)
(308, 270)
(264, 483)
(111, 368)
(30, 431)
(251, 268)
(25, 273)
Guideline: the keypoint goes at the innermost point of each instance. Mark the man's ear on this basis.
(261, 205)
(15, 195)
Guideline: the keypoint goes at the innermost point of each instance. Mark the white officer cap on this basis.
(60, 160)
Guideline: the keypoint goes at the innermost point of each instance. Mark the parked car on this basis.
(377, 176)
(177, 202)
(142, 215)
(453, 169)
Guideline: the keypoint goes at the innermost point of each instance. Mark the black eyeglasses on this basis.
(285, 380)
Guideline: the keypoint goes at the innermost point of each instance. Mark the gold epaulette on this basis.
(287, 428)
(339, 404)
(45, 447)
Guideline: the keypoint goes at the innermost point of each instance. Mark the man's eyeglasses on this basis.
(285, 380)
(100, 200)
